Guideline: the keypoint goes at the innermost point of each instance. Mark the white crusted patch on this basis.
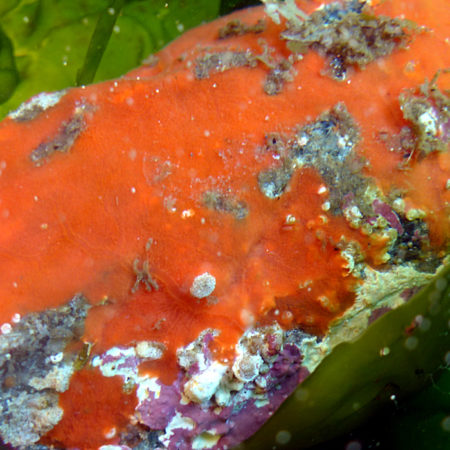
(125, 361)
(37, 104)
(202, 386)
(58, 379)
(207, 439)
(178, 421)
(429, 121)
(149, 350)
(193, 353)
(147, 385)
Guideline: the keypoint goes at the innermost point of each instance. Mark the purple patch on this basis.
(236, 422)
(387, 212)
(251, 418)
(156, 413)
(131, 362)
(409, 292)
(377, 313)
(243, 417)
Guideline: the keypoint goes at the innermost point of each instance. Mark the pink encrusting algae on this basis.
(217, 214)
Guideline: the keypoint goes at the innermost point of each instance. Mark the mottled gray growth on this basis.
(237, 28)
(273, 182)
(428, 111)
(225, 203)
(221, 61)
(327, 144)
(414, 246)
(348, 34)
(277, 76)
(63, 140)
(34, 368)
(276, 144)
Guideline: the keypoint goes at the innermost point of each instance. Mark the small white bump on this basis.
(16, 318)
(203, 285)
(6, 328)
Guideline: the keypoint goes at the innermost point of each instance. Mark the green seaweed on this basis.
(99, 41)
(9, 77)
(61, 43)
(397, 355)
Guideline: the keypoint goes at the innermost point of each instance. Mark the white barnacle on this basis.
(203, 285)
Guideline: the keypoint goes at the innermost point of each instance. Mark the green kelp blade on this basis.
(98, 43)
(55, 40)
(395, 356)
(9, 76)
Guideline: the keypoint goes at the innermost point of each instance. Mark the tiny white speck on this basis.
(116, 29)
(55, 359)
(303, 140)
(26, 19)
(322, 190)
(214, 85)
(15, 285)
(290, 219)
(6, 328)
(16, 318)
(157, 90)
(111, 11)
(110, 433)
(187, 213)
(207, 133)
(133, 190)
